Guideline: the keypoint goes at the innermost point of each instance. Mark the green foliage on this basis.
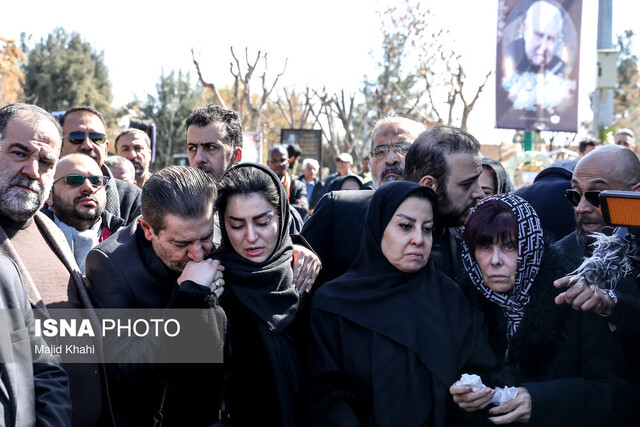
(64, 71)
(175, 98)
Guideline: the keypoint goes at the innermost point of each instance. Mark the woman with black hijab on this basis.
(567, 365)
(390, 336)
(344, 183)
(260, 301)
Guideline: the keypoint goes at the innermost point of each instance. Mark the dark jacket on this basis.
(569, 362)
(123, 198)
(625, 315)
(30, 393)
(124, 272)
(334, 232)
(298, 191)
(546, 195)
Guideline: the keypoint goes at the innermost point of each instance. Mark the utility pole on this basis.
(607, 76)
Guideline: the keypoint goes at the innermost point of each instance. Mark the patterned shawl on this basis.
(530, 249)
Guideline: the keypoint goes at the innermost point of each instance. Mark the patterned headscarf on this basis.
(530, 249)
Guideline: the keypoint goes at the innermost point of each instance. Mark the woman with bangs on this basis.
(568, 366)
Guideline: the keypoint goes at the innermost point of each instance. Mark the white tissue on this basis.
(503, 395)
(471, 379)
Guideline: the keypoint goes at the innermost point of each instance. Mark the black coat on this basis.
(569, 362)
(124, 272)
(625, 315)
(344, 358)
(298, 191)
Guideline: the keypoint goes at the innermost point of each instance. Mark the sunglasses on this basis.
(78, 137)
(574, 196)
(78, 180)
(401, 149)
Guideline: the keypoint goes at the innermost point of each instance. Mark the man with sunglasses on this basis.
(609, 167)
(84, 131)
(30, 140)
(76, 204)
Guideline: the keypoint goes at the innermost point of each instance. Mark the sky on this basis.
(327, 43)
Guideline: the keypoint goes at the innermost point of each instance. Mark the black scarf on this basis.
(265, 288)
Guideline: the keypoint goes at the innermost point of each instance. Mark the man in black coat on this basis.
(85, 132)
(609, 167)
(444, 157)
(314, 186)
(296, 190)
(159, 261)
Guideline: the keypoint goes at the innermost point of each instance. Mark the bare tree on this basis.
(249, 107)
(206, 84)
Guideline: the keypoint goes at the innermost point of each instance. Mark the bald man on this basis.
(77, 204)
(610, 167)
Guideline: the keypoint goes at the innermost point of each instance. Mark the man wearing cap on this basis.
(344, 162)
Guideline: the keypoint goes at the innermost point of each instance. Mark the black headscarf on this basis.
(338, 181)
(501, 179)
(265, 288)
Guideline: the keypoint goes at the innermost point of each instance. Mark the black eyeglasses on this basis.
(401, 149)
(78, 180)
(78, 137)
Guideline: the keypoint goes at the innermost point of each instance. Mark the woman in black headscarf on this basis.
(390, 336)
(567, 364)
(260, 301)
(347, 182)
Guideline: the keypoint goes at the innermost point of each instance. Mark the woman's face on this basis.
(498, 262)
(407, 240)
(252, 226)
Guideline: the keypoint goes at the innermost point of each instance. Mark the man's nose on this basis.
(196, 252)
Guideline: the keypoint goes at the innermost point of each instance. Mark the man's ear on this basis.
(429, 181)
(146, 227)
(50, 198)
(236, 157)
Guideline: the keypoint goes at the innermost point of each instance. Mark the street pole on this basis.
(603, 99)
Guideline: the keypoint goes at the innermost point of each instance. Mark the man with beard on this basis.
(610, 167)
(77, 202)
(30, 142)
(85, 132)
(443, 157)
(135, 145)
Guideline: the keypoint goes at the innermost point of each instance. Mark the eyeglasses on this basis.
(78, 180)
(574, 196)
(78, 137)
(401, 149)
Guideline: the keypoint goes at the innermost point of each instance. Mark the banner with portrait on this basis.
(538, 64)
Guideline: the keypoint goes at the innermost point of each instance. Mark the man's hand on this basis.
(306, 266)
(583, 297)
(517, 410)
(470, 400)
(207, 272)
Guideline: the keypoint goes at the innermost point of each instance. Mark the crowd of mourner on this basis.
(425, 291)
